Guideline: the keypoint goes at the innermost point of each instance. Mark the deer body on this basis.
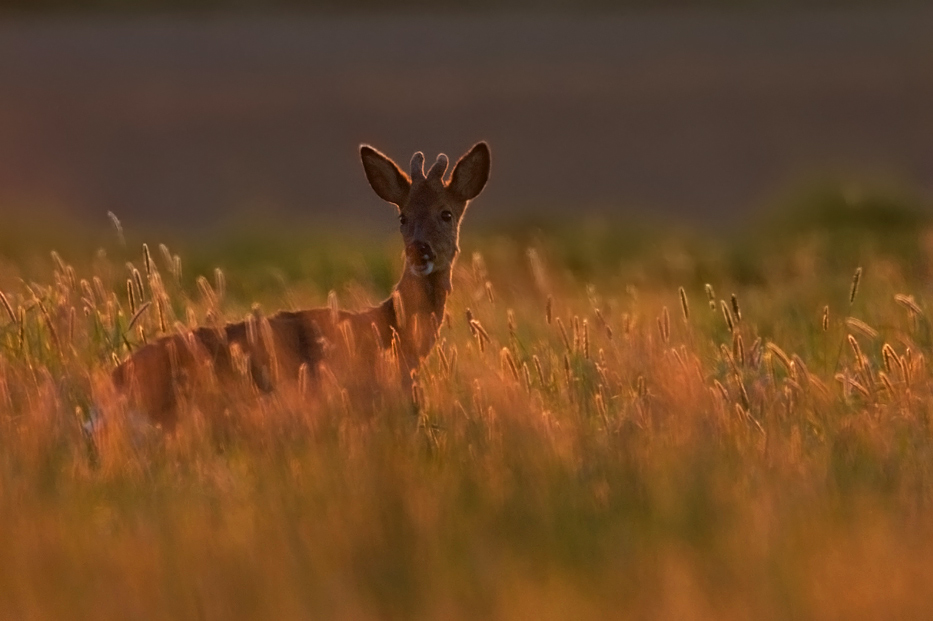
(278, 349)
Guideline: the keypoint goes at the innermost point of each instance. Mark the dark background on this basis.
(189, 118)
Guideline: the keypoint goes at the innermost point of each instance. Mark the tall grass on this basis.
(591, 441)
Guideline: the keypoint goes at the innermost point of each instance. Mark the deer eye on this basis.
(447, 216)
(402, 219)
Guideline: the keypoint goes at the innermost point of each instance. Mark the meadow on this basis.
(619, 421)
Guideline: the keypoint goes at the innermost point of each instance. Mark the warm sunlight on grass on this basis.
(597, 443)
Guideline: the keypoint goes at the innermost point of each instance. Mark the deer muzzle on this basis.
(420, 258)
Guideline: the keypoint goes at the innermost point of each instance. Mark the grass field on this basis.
(600, 443)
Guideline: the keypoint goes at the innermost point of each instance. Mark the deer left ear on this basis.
(384, 176)
(471, 173)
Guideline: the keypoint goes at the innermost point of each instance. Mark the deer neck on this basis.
(416, 309)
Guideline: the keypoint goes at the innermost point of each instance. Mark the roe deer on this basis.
(281, 347)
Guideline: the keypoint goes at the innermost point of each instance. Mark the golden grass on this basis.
(575, 454)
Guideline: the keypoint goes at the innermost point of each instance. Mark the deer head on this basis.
(429, 208)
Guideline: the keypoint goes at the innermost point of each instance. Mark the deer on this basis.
(281, 348)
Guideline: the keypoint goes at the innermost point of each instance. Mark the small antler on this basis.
(439, 167)
(417, 166)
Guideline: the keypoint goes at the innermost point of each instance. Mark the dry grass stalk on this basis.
(207, 292)
(802, 369)
(507, 361)
(743, 394)
(8, 307)
(482, 337)
(168, 260)
(139, 313)
(782, 357)
(754, 353)
(856, 352)
(891, 360)
(886, 382)
(537, 364)
(738, 349)
(684, 306)
(563, 334)
(727, 315)
(726, 355)
(723, 393)
(664, 325)
(600, 403)
(711, 297)
(641, 387)
(568, 376)
(138, 280)
(490, 294)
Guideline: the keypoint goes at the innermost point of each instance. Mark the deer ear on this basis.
(471, 173)
(390, 183)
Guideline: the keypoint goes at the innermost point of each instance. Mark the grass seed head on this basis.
(490, 294)
(537, 364)
(138, 281)
(908, 302)
(220, 283)
(735, 309)
(117, 227)
(711, 297)
(167, 259)
(147, 261)
(860, 326)
(131, 295)
(856, 351)
(856, 279)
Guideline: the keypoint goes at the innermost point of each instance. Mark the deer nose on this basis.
(419, 252)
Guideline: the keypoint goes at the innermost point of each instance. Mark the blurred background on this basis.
(186, 114)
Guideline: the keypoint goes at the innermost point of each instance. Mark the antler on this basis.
(439, 167)
(417, 167)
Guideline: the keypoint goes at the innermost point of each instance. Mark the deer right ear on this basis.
(470, 173)
(390, 183)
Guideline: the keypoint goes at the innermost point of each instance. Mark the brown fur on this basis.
(275, 349)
